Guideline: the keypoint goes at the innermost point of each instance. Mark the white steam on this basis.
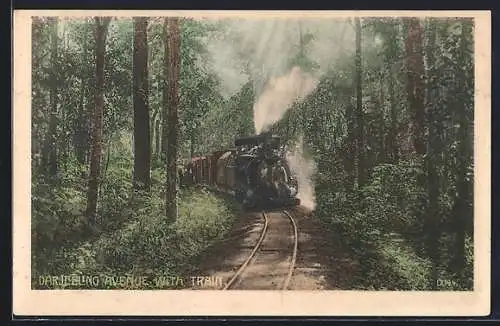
(258, 49)
(304, 169)
(278, 95)
(261, 51)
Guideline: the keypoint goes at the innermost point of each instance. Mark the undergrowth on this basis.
(380, 226)
(133, 236)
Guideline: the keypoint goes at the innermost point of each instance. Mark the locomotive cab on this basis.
(266, 178)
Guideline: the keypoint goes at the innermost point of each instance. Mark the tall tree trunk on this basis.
(391, 144)
(79, 141)
(90, 98)
(173, 123)
(434, 150)
(164, 131)
(142, 140)
(380, 120)
(391, 54)
(304, 111)
(158, 139)
(415, 91)
(50, 150)
(191, 144)
(36, 135)
(463, 211)
(159, 119)
(62, 144)
(350, 157)
(359, 110)
(153, 136)
(415, 84)
(96, 148)
(81, 130)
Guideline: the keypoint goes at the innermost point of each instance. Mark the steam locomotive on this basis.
(255, 171)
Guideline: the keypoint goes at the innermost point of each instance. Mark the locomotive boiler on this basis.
(255, 171)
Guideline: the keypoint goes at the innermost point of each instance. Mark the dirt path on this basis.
(321, 263)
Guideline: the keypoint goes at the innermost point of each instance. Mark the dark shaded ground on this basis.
(323, 262)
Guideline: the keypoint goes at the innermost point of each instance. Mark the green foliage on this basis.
(57, 221)
(238, 109)
(115, 194)
(145, 243)
(413, 269)
(379, 222)
(390, 200)
(57, 215)
(386, 204)
(383, 222)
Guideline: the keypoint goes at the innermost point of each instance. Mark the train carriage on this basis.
(204, 170)
(255, 171)
(214, 157)
(196, 168)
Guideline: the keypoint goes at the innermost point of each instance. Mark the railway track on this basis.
(271, 263)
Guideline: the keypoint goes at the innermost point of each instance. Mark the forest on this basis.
(381, 111)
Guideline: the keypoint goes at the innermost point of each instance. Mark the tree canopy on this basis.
(383, 109)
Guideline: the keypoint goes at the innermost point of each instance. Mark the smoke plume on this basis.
(260, 51)
(304, 169)
(278, 95)
(254, 49)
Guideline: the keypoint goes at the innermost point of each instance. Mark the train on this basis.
(255, 171)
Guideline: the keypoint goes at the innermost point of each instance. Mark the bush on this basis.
(115, 195)
(132, 235)
(382, 223)
(412, 269)
(391, 199)
(376, 220)
(150, 245)
(57, 221)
